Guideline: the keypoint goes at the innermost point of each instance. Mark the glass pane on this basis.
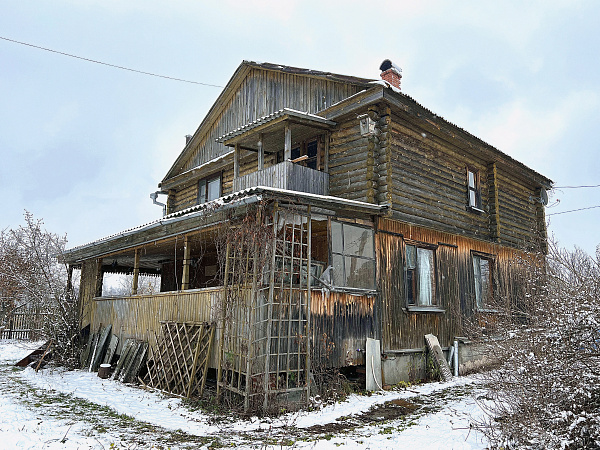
(477, 276)
(311, 149)
(411, 256)
(202, 192)
(214, 189)
(411, 286)
(471, 179)
(295, 152)
(426, 276)
(336, 237)
(338, 278)
(486, 288)
(360, 273)
(358, 241)
(472, 198)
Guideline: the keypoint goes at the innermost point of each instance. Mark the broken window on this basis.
(482, 270)
(420, 276)
(209, 189)
(352, 256)
(473, 188)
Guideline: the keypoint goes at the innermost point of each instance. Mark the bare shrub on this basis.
(546, 394)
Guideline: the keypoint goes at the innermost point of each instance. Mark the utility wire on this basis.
(576, 187)
(109, 65)
(573, 210)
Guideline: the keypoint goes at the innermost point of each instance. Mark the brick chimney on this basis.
(391, 73)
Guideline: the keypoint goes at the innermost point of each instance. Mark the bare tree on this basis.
(33, 278)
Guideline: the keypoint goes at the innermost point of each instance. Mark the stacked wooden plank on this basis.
(180, 362)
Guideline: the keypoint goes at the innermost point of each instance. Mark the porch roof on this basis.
(212, 213)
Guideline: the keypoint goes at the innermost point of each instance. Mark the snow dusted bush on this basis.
(33, 280)
(547, 393)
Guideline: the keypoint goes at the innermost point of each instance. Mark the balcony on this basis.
(286, 175)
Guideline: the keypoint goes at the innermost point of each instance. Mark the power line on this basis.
(576, 187)
(109, 65)
(573, 210)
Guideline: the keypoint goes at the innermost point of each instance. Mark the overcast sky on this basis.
(83, 145)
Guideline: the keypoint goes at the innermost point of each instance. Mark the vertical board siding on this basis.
(264, 92)
(402, 329)
(139, 317)
(286, 175)
(340, 325)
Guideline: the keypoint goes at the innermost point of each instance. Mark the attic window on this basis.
(473, 189)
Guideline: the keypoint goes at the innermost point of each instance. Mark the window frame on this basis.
(475, 189)
(344, 254)
(480, 304)
(204, 182)
(413, 305)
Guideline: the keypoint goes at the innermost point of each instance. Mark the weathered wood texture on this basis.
(455, 286)
(286, 175)
(340, 325)
(430, 188)
(87, 290)
(264, 92)
(348, 162)
(139, 317)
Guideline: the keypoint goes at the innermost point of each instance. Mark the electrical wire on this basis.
(110, 65)
(576, 187)
(573, 210)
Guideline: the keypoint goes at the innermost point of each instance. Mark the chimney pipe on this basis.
(188, 138)
(391, 73)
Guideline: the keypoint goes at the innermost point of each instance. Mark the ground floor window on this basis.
(352, 255)
(420, 276)
(482, 271)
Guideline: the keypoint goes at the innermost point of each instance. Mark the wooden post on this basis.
(287, 151)
(261, 152)
(99, 277)
(185, 276)
(308, 301)
(236, 161)
(136, 272)
(223, 324)
(326, 155)
(69, 282)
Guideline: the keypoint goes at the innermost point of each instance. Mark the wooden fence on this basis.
(23, 325)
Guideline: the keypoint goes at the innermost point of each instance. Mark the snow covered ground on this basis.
(55, 409)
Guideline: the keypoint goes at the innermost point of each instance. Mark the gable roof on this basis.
(230, 89)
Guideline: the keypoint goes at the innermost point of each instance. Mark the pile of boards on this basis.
(101, 349)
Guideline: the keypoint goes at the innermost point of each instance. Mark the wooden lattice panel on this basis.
(180, 361)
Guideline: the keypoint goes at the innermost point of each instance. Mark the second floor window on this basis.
(209, 189)
(420, 276)
(473, 188)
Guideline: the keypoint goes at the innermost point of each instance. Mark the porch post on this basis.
(99, 277)
(326, 155)
(185, 276)
(236, 161)
(136, 272)
(69, 283)
(287, 154)
(261, 153)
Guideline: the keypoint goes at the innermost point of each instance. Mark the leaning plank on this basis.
(125, 351)
(438, 357)
(33, 356)
(130, 374)
(100, 348)
(110, 351)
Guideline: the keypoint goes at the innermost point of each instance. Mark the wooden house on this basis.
(311, 211)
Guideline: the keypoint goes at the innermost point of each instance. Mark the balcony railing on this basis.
(286, 175)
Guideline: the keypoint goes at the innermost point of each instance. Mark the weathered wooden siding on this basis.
(264, 92)
(429, 183)
(518, 214)
(348, 164)
(286, 175)
(87, 290)
(139, 316)
(340, 325)
(402, 329)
